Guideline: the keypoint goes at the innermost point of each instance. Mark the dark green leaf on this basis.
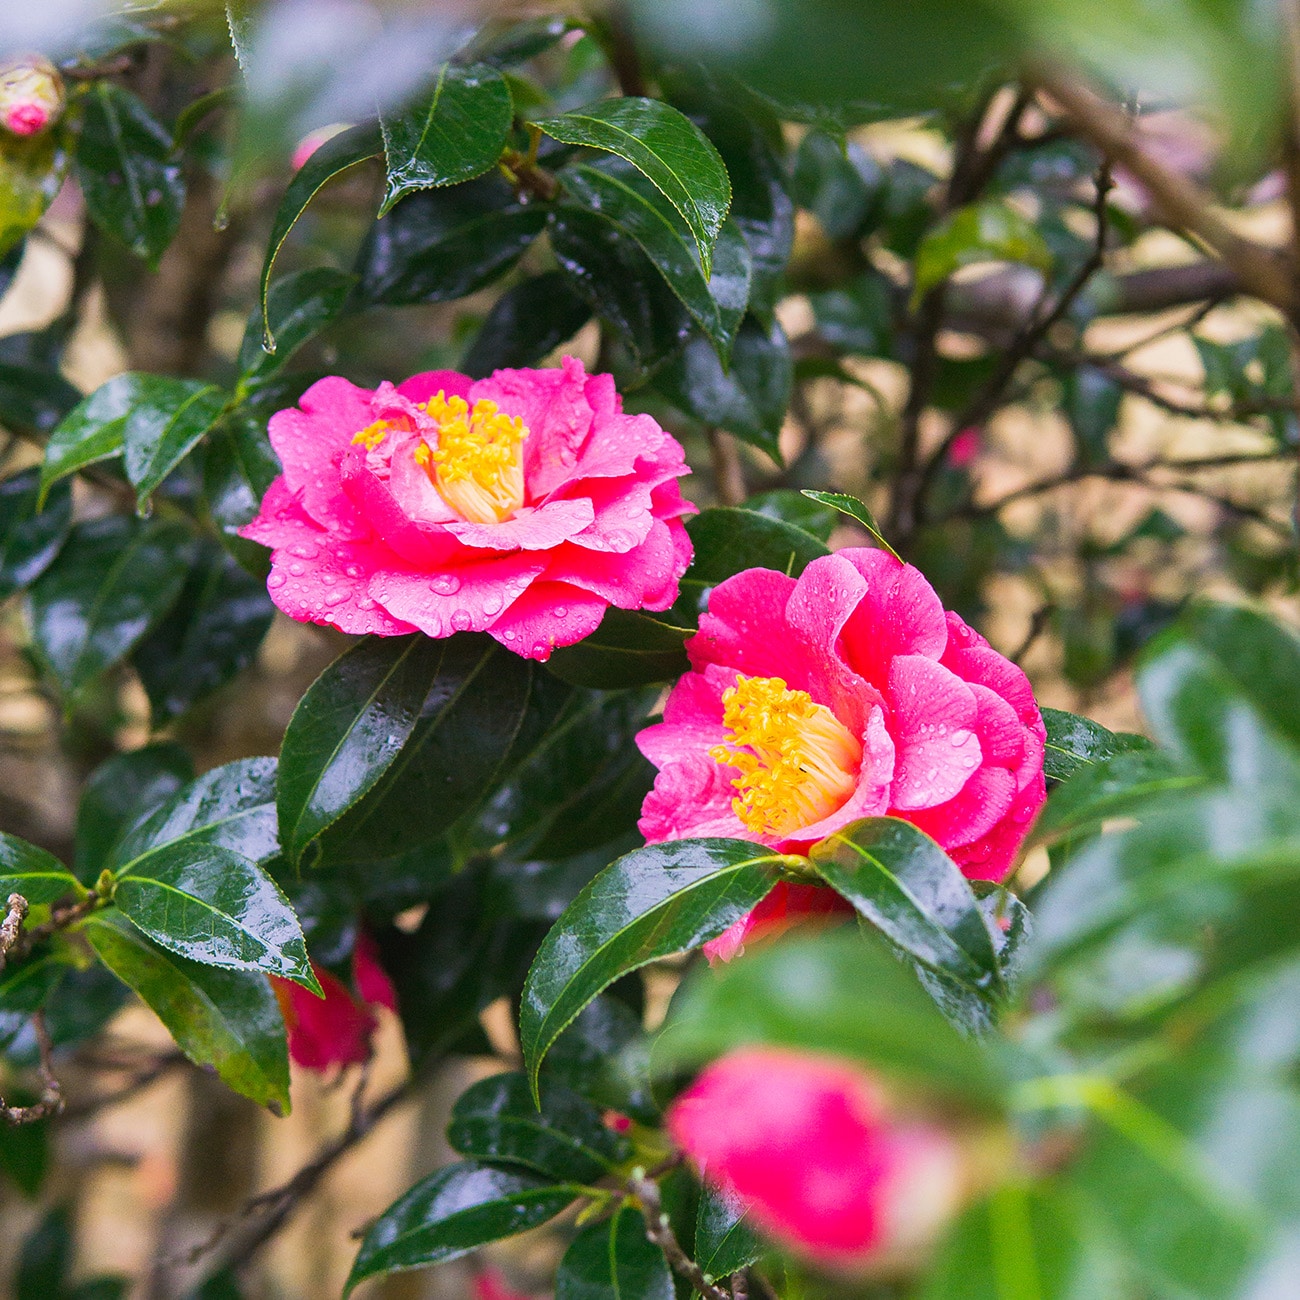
(525, 324)
(91, 432)
(453, 135)
(838, 181)
(983, 232)
(445, 244)
(336, 155)
(25, 1149)
(33, 399)
(46, 1258)
(566, 1139)
(226, 1019)
(214, 907)
(26, 987)
(750, 398)
(652, 903)
(298, 307)
(132, 183)
(1074, 742)
(30, 538)
(614, 1260)
(855, 509)
(32, 872)
(603, 1055)
(628, 649)
(796, 509)
(238, 467)
(665, 146)
(164, 425)
(724, 1242)
(904, 884)
(452, 1212)
(114, 580)
(212, 634)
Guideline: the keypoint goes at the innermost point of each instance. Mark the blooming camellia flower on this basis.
(31, 95)
(522, 505)
(336, 1030)
(842, 694)
(805, 1143)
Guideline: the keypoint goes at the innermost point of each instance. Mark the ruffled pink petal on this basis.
(643, 578)
(428, 546)
(933, 724)
(1001, 734)
(745, 628)
(282, 521)
(412, 488)
(900, 614)
(468, 599)
(372, 981)
(785, 906)
(691, 798)
(972, 813)
(667, 502)
(532, 528)
(420, 388)
(621, 512)
(992, 856)
(546, 616)
(324, 1032)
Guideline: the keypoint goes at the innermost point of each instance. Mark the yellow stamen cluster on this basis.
(798, 762)
(477, 465)
(372, 435)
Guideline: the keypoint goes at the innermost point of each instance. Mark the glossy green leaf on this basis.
(856, 510)
(525, 324)
(113, 581)
(614, 1260)
(566, 1138)
(92, 431)
(211, 635)
(906, 886)
(32, 171)
(349, 727)
(603, 1056)
(983, 232)
(454, 134)
(620, 194)
(32, 872)
(444, 244)
(665, 146)
(30, 538)
(797, 509)
(214, 907)
(34, 398)
(164, 424)
(336, 155)
(628, 649)
(133, 184)
(227, 1019)
(750, 398)
(230, 807)
(453, 1211)
(298, 306)
(25, 987)
(652, 903)
(843, 994)
(1074, 742)
(238, 466)
(724, 1240)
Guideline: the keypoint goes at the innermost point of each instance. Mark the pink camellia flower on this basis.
(522, 505)
(31, 95)
(842, 694)
(336, 1030)
(806, 1144)
(965, 447)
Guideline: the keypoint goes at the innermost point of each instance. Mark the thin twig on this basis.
(51, 1099)
(660, 1231)
(728, 469)
(161, 1065)
(1037, 626)
(11, 929)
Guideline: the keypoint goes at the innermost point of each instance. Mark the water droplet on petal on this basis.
(352, 571)
(445, 584)
(959, 737)
(492, 605)
(297, 569)
(462, 620)
(365, 603)
(336, 597)
(276, 580)
(509, 635)
(561, 611)
(540, 649)
(304, 551)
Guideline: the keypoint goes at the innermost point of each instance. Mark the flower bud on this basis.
(807, 1144)
(31, 95)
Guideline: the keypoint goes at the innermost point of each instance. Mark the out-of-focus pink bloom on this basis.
(965, 447)
(313, 141)
(336, 1030)
(522, 505)
(616, 1121)
(842, 694)
(31, 95)
(785, 906)
(806, 1143)
(489, 1284)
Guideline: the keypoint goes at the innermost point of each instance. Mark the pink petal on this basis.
(642, 578)
(372, 981)
(933, 724)
(324, 1032)
(745, 627)
(547, 615)
(691, 798)
(468, 599)
(972, 813)
(785, 906)
(425, 545)
(420, 388)
(532, 528)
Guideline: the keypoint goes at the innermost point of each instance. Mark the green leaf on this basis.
(32, 171)
(211, 635)
(855, 509)
(614, 1260)
(906, 886)
(25, 1149)
(652, 903)
(844, 994)
(525, 324)
(355, 719)
(113, 581)
(298, 306)
(666, 147)
(215, 907)
(92, 431)
(133, 185)
(565, 1139)
(453, 1211)
(991, 231)
(230, 807)
(227, 1019)
(32, 872)
(602, 1056)
(750, 398)
(238, 466)
(336, 155)
(30, 537)
(724, 1242)
(1074, 742)
(441, 245)
(454, 135)
(621, 195)
(628, 649)
(34, 398)
(796, 509)
(164, 424)
(26, 987)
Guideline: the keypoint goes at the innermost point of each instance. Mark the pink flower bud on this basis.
(807, 1144)
(31, 95)
(313, 141)
(965, 447)
(489, 1284)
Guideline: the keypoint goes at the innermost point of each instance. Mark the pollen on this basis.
(797, 762)
(477, 465)
(372, 435)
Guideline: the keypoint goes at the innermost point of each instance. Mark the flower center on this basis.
(797, 761)
(478, 465)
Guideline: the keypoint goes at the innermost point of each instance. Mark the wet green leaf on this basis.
(30, 538)
(614, 1259)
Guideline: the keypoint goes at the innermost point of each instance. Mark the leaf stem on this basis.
(659, 1230)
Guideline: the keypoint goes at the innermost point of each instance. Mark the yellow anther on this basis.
(372, 435)
(477, 465)
(797, 761)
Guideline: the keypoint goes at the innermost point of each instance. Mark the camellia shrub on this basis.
(681, 437)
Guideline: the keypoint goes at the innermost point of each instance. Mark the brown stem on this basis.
(728, 471)
(621, 49)
(51, 1099)
(660, 1231)
(60, 919)
(11, 928)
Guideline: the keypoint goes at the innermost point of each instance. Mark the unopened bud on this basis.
(32, 97)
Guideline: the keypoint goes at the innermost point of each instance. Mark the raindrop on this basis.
(960, 736)
(352, 571)
(366, 603)
(276, 580)
(304, 551)
(335, 597)
(540, 649)
(561, 611)
(462, 620)
(445, 584)
(297, 569)
(492, 605)
(509, 635)
(621, 540)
